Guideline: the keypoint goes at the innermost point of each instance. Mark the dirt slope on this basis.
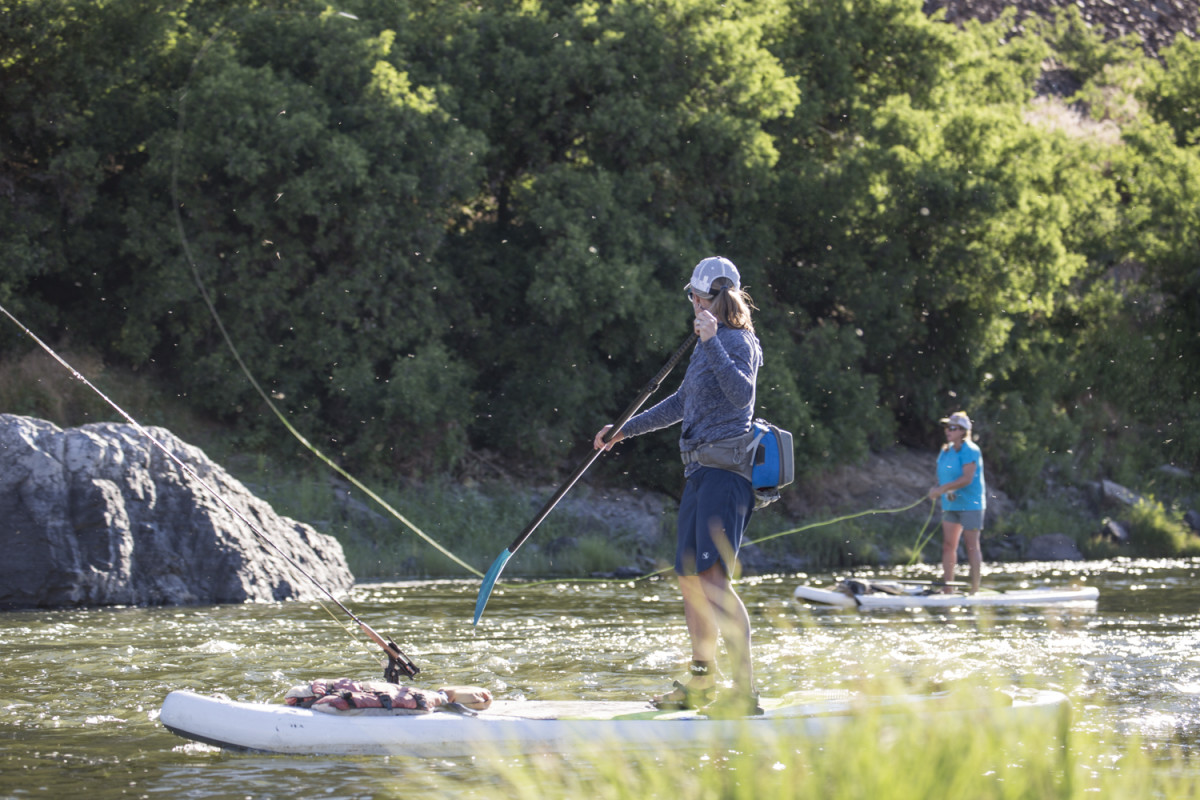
(1158, 22)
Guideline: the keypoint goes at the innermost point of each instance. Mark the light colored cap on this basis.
(712, 268)
(958, 418)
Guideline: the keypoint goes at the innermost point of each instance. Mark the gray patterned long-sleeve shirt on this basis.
(716, 398)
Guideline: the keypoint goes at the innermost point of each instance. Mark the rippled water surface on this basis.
(82, 689)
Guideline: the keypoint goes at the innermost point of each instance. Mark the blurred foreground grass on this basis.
(981, 749)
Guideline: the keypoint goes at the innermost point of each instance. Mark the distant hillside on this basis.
(1158, 22)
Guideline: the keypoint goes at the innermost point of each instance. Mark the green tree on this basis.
(626, 141)
(428, 225)
(76, 101)
(278, 155)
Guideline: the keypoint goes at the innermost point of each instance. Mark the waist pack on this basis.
(773, 464)
(764, 456)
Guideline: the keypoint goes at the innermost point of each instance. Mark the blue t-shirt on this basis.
(950, 463)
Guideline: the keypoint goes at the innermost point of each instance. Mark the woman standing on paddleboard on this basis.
(715, 404)
(963, 491)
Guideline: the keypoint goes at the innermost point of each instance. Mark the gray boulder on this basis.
(1053, 547)
(1117, 494)
(99, 515)
(1115, 531)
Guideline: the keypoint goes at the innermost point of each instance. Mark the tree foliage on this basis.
(432, 227)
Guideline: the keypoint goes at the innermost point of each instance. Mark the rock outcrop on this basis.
(1157, 22)
(1053, 547)
(99, 515)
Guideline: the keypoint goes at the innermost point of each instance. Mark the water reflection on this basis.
(83, 688)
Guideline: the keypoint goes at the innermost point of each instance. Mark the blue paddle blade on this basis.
(489, 580)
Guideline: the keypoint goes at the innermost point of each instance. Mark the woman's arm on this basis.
(663, 415)
(735, 371)
(968, 475)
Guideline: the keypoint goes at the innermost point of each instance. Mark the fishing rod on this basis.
(489, 580)
(398, 662)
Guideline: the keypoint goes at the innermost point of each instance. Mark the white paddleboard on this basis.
(552, 726)
(896, 594)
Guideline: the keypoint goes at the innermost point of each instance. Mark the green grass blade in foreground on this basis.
(972, 748)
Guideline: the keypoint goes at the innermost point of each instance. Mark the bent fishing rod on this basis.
(489, 579)
(397, 662)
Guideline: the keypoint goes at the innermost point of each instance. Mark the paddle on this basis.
(489, 579)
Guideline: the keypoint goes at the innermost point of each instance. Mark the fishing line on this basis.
(396, 658)
(789, 532)
(855, 515)
(922, 542)
(187, 251)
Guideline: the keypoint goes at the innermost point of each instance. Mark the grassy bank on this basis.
(478, 521)
(474, 521)
(906, 760)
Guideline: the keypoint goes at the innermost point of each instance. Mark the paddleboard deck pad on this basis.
(903, 594)
(538, 726)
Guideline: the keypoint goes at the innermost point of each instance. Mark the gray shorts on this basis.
(971, 520)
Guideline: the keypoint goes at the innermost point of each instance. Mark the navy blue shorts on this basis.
(713, 514)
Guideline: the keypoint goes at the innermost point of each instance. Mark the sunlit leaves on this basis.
(1174, 97)
(411, 208)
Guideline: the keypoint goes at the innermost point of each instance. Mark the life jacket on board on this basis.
(344, 694)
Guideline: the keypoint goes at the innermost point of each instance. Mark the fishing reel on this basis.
(398, 665)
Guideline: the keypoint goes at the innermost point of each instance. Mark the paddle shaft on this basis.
(649, 389)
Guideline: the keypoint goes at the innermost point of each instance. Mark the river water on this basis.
(82, 689)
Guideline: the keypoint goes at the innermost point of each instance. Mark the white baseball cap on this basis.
(709, 270)
(958, 418)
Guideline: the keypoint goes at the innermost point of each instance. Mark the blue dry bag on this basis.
(773, 462)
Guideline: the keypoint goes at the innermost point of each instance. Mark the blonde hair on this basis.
(732, 306)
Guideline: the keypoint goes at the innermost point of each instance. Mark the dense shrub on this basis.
(431, 228)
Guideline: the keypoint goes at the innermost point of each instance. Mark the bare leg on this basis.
(703, 630)
(701, 618)
(974, 557)
(711, 607)
(733, 622)
(951, 531)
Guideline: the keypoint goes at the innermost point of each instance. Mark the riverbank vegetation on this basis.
(443, 241)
